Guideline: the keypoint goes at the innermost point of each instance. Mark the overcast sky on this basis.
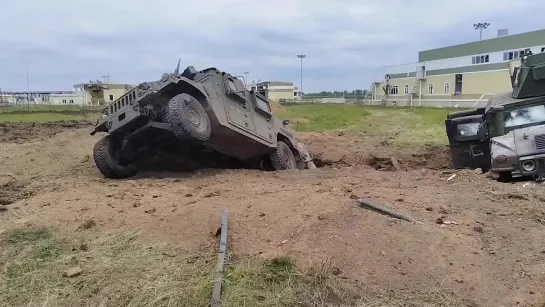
(347, 42)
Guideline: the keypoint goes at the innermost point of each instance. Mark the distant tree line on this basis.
(346, 93)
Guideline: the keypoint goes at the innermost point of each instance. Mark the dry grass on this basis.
(123, 270)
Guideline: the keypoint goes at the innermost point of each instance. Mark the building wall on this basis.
(485, 46)
(113, 93)
(474, 86)
(487, 82)
(492, 61)
(280, 94)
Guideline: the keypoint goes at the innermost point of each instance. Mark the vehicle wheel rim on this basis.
(193, 116)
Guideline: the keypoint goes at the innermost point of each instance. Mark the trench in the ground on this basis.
(435, 158)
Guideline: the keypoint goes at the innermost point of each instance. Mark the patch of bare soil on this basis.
(24, 132)
(338, 150)
(477, 243)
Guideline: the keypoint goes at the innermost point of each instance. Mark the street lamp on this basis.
(301, 56)
(480, 26)
(27, 82)
(246, 82)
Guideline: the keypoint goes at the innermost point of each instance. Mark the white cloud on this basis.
(346, 41)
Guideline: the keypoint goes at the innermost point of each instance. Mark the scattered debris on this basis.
(395, 164)
(478, 229)
(150, 210)
(370, 204)
(88, 224)
(429, 209)
(451, 177)
(3, 208)
(72, 272)
(336, 270)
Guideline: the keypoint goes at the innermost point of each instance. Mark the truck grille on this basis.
(540, 141)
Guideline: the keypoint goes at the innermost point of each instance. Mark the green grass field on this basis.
(409, 125)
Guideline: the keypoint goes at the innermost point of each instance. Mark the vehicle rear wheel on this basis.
(282, 157)
(188, 118)
(104, 154)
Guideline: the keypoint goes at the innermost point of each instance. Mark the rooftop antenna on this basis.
(177, 70)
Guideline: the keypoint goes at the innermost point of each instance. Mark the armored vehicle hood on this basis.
(523, 141)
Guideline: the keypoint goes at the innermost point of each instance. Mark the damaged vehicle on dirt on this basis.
(507, 137)
(205, 117)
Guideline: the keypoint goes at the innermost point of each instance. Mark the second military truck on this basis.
(206, 115)
(507, 137)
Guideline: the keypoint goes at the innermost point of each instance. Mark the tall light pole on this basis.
(246, 78)
(27, 80)
(480, 26)
(301, 56)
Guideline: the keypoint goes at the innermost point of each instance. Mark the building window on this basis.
(64, 101)
(542, 49)
(447, 88)
(111, 97)
(406, 89)
(480, 59)
(511, 55)
(393, 90)
(71, 101)
(430, 89)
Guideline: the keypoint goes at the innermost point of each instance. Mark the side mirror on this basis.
(285, 122)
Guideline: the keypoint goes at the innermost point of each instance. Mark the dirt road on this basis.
(492, 255)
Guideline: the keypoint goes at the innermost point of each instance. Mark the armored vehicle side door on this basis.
(248, 110)
(469, 141)
(263, 119)
(237, 106)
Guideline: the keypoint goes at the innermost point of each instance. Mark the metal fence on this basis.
(438, 103)
(31, 106)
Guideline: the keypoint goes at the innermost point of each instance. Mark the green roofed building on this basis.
(467, 72)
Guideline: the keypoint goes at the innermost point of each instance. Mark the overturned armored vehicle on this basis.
(206, 116)
(507, 137)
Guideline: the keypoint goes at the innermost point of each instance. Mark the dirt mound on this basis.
(24, 132)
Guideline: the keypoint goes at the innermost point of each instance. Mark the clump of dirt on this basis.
(23, 132)
(381, 163)
(11, 191)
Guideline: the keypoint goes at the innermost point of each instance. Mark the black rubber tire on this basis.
(179, 110)
(103, 154)
(282, 157)
(505, 177)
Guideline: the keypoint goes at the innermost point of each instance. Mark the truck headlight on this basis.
(528, 165)
(501, 159)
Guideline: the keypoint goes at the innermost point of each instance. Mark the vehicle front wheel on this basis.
(188, 118)
(104, 154)
(282, 157)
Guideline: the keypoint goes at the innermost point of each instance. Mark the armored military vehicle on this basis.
(507, 137)
(203, 116)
